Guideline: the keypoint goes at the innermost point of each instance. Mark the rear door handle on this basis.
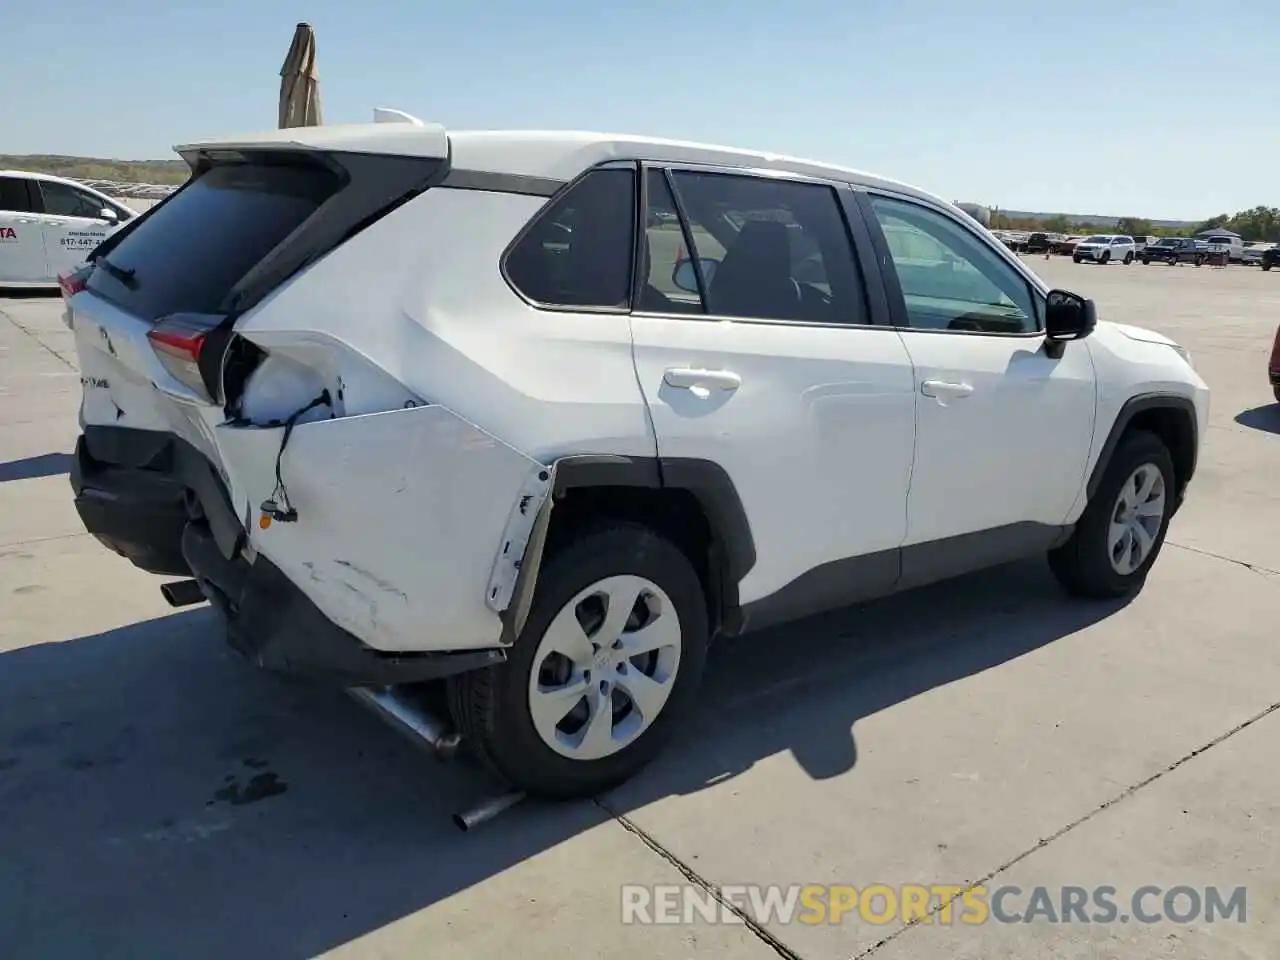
(690, 378)
(944, 390)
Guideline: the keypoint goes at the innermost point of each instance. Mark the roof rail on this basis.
(387, 115)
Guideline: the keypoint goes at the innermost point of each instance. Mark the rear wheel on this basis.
(1146, 261)
(1266, 265)
(609, 661)
(1199, 260)
(1076, 259)
(1128, 259)
(1119, 535)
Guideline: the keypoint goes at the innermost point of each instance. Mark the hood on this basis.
(1142, 335)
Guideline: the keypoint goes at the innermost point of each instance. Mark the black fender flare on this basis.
(707, 481)
(709, 484)
(1132, 408)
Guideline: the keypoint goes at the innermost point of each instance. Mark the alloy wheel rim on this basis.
(1136, 519)
(605, 667)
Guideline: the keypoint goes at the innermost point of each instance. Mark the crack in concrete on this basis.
(695, 878)
(1045, 841)
(43, 345)
(1255, 567)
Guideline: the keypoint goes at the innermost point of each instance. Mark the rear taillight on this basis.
(73, 281)
(1275, 353)
(178, 342)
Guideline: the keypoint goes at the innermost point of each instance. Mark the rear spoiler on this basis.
(392, 132)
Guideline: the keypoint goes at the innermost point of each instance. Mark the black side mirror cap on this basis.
(1068, 316)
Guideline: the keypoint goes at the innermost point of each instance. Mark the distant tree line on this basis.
(1258, 224)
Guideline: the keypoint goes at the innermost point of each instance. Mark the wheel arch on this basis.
(1169, 416)
(691, 501)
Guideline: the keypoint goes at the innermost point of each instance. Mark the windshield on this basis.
(1097, 240)
(1169, 242)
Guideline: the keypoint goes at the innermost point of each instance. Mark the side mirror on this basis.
(685, 277)
(1068, 316)
(109, 215)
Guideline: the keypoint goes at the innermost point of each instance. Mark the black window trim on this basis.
(897, 302)
(542, 211)
(879, 316)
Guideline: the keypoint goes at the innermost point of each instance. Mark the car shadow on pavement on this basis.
(1265, 417)
(160, 797)
(28, 468)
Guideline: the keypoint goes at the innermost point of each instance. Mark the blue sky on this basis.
(1162, 109)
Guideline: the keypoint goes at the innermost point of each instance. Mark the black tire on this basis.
(1173, 261)
(1076, 259)
(1128, 259)
(1081, 564)
(491, 706)
(1146, 261)
(1199, 260)
(1106, 258)
(1266, 265)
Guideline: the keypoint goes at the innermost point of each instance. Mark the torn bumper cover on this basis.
(159, 502)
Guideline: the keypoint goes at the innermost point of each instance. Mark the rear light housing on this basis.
(1275, 353)
(72, 282)
(181, 343)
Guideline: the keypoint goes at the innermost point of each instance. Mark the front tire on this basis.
(1076, 259)
(1121, 531)
(1128, 259)
(1146, 261)
(1106, 258)
(608, 663)
(1266, 266)
(1199, 261)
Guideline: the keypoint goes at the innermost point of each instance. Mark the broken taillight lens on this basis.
(72, 282)
(178, 342)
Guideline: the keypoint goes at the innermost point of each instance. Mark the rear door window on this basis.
(192, 251)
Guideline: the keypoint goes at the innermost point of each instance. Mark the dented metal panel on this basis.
(399, 518)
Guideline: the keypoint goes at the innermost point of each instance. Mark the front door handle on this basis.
(694, 379)
(945, 390)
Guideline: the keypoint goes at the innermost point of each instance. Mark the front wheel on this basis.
(1265, 265)
(1119, 535)
(607, 664)
(1199, 261)
(1128, 259)
(1146, 261)
(1106, 258)
(1076, 259)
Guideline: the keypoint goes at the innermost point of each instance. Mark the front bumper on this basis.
(157, 501)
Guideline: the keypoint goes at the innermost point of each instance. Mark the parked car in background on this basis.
(1141, 243)
(1066, 245)
(48, 225)
(1175, 250)
(1251, 255)
(1104, 249)
(1039, 243)
(1273, 368)
(1229, 243)
(374, 492)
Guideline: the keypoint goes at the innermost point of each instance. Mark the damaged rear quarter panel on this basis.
(400, 514)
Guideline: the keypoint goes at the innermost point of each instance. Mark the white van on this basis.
(48, 225)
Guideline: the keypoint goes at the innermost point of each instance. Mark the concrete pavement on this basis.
(158, 796)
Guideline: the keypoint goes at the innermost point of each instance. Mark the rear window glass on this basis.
(192, 251)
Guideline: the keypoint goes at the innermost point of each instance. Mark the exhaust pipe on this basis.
(485, 811)
(411, 718)
(182, 593)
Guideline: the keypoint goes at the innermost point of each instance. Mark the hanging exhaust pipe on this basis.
(485, 811)
(182, 593)
(411, 718)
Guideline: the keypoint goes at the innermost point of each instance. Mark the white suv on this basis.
(545, 413)
(1104, 249)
